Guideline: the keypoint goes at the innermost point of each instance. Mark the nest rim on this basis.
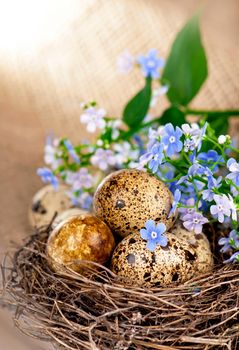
(96, 310)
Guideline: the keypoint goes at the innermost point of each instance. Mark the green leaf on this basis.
(219, 124)
(137, 108)
(172, 115)
(186, 66)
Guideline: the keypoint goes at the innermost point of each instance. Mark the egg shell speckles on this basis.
(127, 198)
(84, 237)
(46, 203)
(200, 243)
(166, 265)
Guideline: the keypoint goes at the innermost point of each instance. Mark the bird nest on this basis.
(96, 310)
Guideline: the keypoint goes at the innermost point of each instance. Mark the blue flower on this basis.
(210, 158)
(189, 145)
(150, 64)
(47, 176)
(222, 207)
(157, 157)
(153, 234)
(194, 136)
(211, 186)
(71, 151)
(230, 242)
(233, 259)
(198, 169)
(171, 139)
(81, 199)
(176, 199)
(194, 222)
(233, 167)
(103, 159)
(154, 157)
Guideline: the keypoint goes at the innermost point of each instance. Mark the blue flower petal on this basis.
(160, 228)
(150, 224)
(163, 241)
(144, 233)
(151, 245)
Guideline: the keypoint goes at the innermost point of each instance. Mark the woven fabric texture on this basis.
(42, 85)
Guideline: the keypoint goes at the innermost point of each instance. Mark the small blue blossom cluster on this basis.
(200, 169)
(82, 167)
(150, 66)
(205, 183)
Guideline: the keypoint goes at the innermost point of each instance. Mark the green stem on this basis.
(220, 113)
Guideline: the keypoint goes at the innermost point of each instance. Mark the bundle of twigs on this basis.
(96, 310)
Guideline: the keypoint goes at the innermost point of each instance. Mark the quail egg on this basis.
(46, 203)
(82, 237)
(126, 198)
(204, 259)
(171, 264)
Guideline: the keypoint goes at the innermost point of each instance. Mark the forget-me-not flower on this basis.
(154, 157)
(194, 222)
(47, 176)
(103, 159)
(233, 167)
(157, 157)
(93, 117)
(194, 134)
(212, 184)
(52, 155)
(153, 234)
(171, 139)
(81, 199)
(82, 179)
(222, 207)
(233, 259)
(151, 64)
(227, 243)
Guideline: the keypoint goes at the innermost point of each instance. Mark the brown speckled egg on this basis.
(82, 237)
(46, 203)
(66, 215)
(171, 264)
(127, 198)
(204, 260)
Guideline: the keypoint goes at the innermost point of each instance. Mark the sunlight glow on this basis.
(26, 25)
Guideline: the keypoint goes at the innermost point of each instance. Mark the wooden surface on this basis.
(42, 84)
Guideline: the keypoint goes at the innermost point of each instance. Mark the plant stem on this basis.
(219, 113)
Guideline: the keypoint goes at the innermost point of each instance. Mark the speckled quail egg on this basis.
(204, 259)
(66, 215)
(171, 264)
(46, 203)
(126, 198)
(83, 237)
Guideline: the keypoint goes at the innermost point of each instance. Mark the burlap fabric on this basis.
(42, 85)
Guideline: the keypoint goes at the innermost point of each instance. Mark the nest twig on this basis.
(97, 311)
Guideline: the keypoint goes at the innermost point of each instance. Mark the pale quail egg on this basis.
(171, 264)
